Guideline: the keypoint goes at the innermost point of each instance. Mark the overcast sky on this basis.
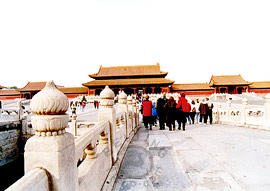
(66, 40)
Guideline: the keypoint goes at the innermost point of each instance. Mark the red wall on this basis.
(260, 91)
(9, 97)
(197, 93)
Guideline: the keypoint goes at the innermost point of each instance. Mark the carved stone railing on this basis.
(245, 116)
(77, 162)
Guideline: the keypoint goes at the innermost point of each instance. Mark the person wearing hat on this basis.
(147, 112)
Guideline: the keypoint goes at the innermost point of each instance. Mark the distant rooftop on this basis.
(191, 86)
(228, 80)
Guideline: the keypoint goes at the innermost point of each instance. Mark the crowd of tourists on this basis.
(168, 112)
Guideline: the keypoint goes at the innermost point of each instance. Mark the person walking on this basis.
(154, 114)
(171, 109)
(193, 111)
(210, 110)
(197, 105)
(147, 112)
(161, 111)
(203, 111)
(183, 111)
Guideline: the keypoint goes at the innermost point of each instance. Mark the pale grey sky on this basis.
(65, 40)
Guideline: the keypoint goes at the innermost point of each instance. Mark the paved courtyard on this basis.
(202, 158)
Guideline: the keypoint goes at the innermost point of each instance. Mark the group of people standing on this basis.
(168, 111)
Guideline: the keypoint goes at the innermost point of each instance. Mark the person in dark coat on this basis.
(210, 110)
(171, 109)
(147, 112)
(203, 111)
(161, 110)
(183, 111)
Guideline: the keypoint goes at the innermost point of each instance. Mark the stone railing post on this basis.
(73, 125)
(130, 108)
(228, 110)
(52, 148)
(123, 107)
(20, 109)
(135, 113)
(107, 112)
(218, 113)
(122, 99)
(138, 113)
(243, 111)
(267, 107)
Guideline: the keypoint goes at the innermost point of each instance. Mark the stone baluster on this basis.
(107, 112)
(90, 151)
(243, 111)
(118, 123)
(52, 147)
(103, 138)
(228, 109)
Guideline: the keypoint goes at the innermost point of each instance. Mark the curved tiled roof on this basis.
(33, 86)
(139, 70)
(191, 86)
(125, 82)
(73, 90)
(259, 85)
(9, 92)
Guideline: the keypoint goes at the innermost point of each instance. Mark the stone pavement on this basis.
(202, 158)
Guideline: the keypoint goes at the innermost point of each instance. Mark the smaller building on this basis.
(260, 87)
(9, 94)
(232, 84)
(31, 88)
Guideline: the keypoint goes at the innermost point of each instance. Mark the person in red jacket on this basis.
(183, 111)
(147, 112)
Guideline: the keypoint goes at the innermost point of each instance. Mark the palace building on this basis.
(143, 79)
(130, 79)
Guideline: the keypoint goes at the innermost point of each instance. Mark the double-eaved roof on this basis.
(129, 82)
(139, 75)
(129, 71)
(227, 80)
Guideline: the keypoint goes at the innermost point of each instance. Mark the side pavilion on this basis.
(232, 84)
